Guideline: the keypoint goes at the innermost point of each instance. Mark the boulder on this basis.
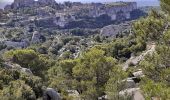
(11, 66)
(51, 94)
(26, 70)
(138, 74)
(130, 83)
(104, 97)
(74, 94)
(135, 93)
(129, 91)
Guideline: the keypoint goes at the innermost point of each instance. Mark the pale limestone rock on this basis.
(74, 94)
(12, 66)
(36, 37)
(138, 73)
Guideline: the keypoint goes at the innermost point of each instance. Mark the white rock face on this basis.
(36, 37)
(109, 30)
(26, 70)
(12, 66)
(113, 30)
(113, 10)
(130, 83)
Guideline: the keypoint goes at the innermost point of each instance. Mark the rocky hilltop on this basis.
(70, 14)
(78, 51)
(27, 22)
(31, 20)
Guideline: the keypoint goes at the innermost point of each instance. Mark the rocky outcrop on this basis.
(132, 92)
(109, 30)
(129, 83)
(114, 10)
(59, 20)
(22, 3)
(113, 30)
(49, 16)
(12, 66)
(36, 37)
(22, 44)
(46, 2)
(74, 94)
(29, 3)
(138, 73)
(63, 19)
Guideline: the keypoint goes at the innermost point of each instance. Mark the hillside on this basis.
(84, 51)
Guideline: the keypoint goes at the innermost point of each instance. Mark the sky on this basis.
(140, 2)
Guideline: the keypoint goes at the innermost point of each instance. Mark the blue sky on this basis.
(140, 2)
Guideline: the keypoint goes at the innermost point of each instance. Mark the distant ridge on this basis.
(139, 2)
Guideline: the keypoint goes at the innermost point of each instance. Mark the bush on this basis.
(29, 59)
